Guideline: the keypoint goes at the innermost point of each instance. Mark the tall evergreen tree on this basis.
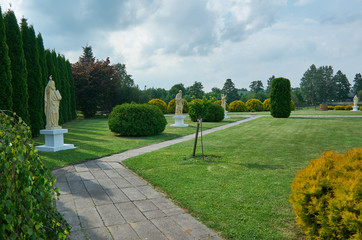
(18, 67)
(308, 85)
(42, 63)
(325, 85)
(36, 98)
(256, 86)
(230, 91)
(63, 88)
(357, 86)
(6, 102)
(343, 86)
(73, 113)
(280, 98)
(56, 78)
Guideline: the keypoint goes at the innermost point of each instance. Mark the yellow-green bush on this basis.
(348, 107)
(326, 196)
(237, 106)
(339, 107)
(254, 104)
(159, 103)
(330, 108)
(292, 105)
(360, 108)
(226, 104)
(172, 105)
(196, 100)
(266, 104)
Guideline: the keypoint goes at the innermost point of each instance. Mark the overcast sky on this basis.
(165, 42)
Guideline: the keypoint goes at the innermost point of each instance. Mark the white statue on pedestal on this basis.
(179, 103)
(223, 101)
(355, 100)
(52, 99)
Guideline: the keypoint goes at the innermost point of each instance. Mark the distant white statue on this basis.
(52, 99)
(355, 100)
(179, 103)
(223, 101)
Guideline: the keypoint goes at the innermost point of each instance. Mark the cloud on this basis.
(302, 2)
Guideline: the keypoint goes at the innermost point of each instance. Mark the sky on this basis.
(166, 42)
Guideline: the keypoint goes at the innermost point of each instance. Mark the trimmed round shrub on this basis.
(360, 108)
(330, 108)
(266, 104)
(226, 104)
(237, 106)
(136, 120)
(348, 107)
(27, 194)
(196, 100)
(326, 196)
(172, 105)
(292, 105)
(254, 104)
(208, 110)
(280, 98)
(159, 103)
(339, 107)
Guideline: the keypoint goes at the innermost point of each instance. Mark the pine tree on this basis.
(64, 88)
(6, 90)
(18, 67)
(35, 86)
(357, 84)
(56, 78)
(43, 65)
(230, 91)
(73, 112)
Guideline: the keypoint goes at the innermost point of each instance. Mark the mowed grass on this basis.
(241, 189)
(305, 111)
(93, 139)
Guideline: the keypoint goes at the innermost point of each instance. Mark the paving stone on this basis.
(121, 182)
(188, 223)
(101, 233)
(69, 169)
(77, 187)
(154, 214)
(83, 200)
(116, 195)
(136, 181)
(112, 173)
(171, 229)
(163, 203)
(146, 230)
(110, 215)
(145, 205)
(173, 211)
(86, 175)
(133, 194)
(63, 187)
(99, 174)
(77, 235)
(92, 165)
(72, 218)
(81, 167)
(130, 212)
(92, 185)
(59, 176)
(73, 176)
(149, 192)
(124, 172)
(123, 232)
(115, 165)
(104, 165)
(106, 183)
(65, 203)
(89, 218)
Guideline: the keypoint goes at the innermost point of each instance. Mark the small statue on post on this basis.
(355, 102)
(223, 104)
(179, 104)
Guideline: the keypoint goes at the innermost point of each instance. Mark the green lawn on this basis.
(93, 139)
(306, 111)
(241, 190)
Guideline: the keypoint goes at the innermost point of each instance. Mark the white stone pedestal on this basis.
(226, 114)
(179, 121)
(355, 109)
(54, 141)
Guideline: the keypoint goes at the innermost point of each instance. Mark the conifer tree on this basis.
(42, 63)
(18, 67)
(36, 98)
(57, 81)
(6, 102)
(64, 88)
(73, 113)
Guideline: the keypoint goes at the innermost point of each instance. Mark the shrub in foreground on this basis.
(348, 107)
(339, 107)
(136, 120)
(237, 106)
(159, 103)
(254, 104)
(326, 196)
(207, 109)
(280, 98)
(172, 105)
(27, 206)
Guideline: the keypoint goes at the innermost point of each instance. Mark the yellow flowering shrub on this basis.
(237, 106)
(254, 104)
(339, 107)
(292, 105)
(330, 108)
(226, 104)
(348, 107)
(159, 103)
(266, 104)
(326, 196)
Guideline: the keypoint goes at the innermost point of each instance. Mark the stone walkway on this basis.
(102, 200)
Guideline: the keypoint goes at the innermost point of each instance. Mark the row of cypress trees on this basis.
(25, 67)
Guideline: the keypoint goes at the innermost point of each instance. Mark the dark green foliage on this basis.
(63, 88)
(280, 98)
(27, 206)
(230, 91)
(207, 109)
(342, 85)
(357, 84)
(42, 63)
(18, 67)
(136, 120)
(35, 86)
(72, 108)
(6, 90)
(256, 86)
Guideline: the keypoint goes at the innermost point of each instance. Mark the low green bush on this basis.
(207, 109)
(172, 105)
(326, 196)
(348, 107)
(237, 106)
(136, 120)
(27, 194)
(226, 104)
(159, 103)
(255, 104)
(330, 108)
(266, 104)
(339, 107)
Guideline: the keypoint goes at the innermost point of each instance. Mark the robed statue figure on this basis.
(52, 99)
(179, 103)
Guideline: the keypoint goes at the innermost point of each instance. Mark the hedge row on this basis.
(341, 107)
